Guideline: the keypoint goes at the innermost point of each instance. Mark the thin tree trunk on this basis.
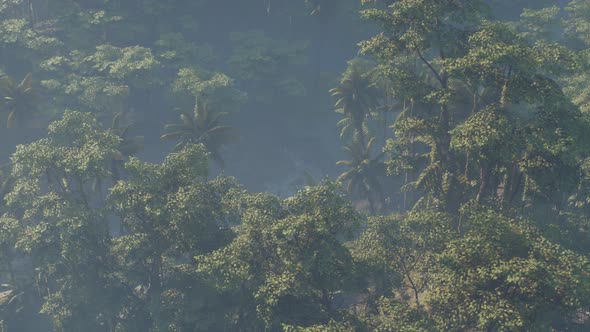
(405, 196)
(484, 178)
(508, 186)
(475, 103)
(466, 171)
(505, 88)
(326, 300)
(31, 14)
(371, 203)
(515, 188)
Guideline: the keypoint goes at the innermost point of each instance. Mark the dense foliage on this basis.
(463, 198)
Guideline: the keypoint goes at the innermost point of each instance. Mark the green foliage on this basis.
(175, 50)
(217, 89)
(261, 61)
(168, 213)
(465, 121)
(128, 146)
(130, 63)
(16, 32)
(577, 89)
(333, 326)
(19, 99)
(577, 24)
(76, 148)
(357, 98)
(202, 127)
(101, 81)
(502, 276)
(397, 253)
(60, 226)
(398, 316)
(485, 134)
(541, 24)
(363, 176)
(287, 253)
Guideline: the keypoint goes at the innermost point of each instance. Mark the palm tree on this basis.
(203, 126)
(19, 100)
(363, 173)
(358, 96)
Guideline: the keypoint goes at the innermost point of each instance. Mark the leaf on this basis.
(27, 83)
(116, 121)
(117, 155)
(10, 120)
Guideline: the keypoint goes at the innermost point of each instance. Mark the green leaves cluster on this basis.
(501, 275)
(262, 61)
(285, 254)
(466, 142)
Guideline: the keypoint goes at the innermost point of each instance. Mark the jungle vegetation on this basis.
(294, 165)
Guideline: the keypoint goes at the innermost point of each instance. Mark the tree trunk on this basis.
(326, 300)
(31, 14)
(484, 178)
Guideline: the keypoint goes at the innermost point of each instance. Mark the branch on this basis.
(438, 77)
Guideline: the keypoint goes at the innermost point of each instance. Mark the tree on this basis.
(394, 315)
(217, 88)
(103, 79)
(503, 276)
(20, 100)
(170, 213)
(397, 253)
(463, 69)
(363, 174)
(203, 126)
(62, 229)
(358, 96)
(428, 34)
(288, 259)
(488, 138)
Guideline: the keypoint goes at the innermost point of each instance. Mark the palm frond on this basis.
(27, 82)
(340, 102)
(173, 135)
(344, 162)
(216, 116)
(202, 127)
(370, 144)
(344, 132)
(177, 127)
(116, 120)
(428, 179)
(187, 119)
(11, 120)
(6, 86)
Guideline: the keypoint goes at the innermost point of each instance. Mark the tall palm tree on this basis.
(203, 126)
(18, 99)
(358, 96)
(363, 173)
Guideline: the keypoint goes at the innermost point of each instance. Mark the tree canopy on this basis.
(453, 136)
